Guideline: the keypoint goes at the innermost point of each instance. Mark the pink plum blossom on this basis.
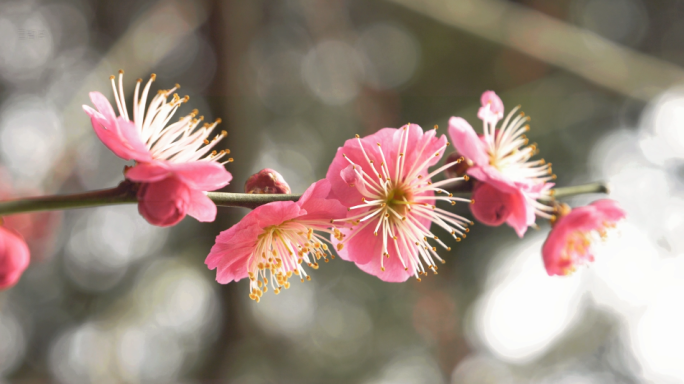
(501, 159)
(14, 257)
(271, 243)
(574, 231)
(180, 151)
(383, 180)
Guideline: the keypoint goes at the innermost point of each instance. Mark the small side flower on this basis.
(175, 162)
(276, 241)
(573, 233)
(507, 182)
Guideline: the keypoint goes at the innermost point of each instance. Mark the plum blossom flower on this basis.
(178, 154)
(14, 257)
(501, 159)
(271, 243)
(384, 182)
(573, 233)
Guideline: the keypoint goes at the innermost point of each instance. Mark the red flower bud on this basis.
(267, 181)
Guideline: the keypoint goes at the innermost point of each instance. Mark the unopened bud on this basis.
(267, 181)
(458, 170)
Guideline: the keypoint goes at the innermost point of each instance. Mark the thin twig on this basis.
(122, 194)
(599, 187)
(125, 193)
(247, 200)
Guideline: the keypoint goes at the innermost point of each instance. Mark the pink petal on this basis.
(202, 175)
(233, 265)
(14, 257)
(363, 247)
(609, 210)
(110, 137)
(201, 207)
(317, 206)
(353, 179)
(518, 218)
(137, 150)
(164, 203)
(339, 188)
(151, 172)
(421, 146)
(277, 212)
(317, 190)
(491, 175)
(105, 109)
(118, 134)
(466, 141)
(492, 206)
(233, 248)
(394, 271)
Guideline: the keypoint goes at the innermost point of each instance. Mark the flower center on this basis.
(280, 252)
(399, 199)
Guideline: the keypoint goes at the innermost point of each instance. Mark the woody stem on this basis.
(126, 193)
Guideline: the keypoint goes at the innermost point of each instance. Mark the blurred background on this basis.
(109, 298)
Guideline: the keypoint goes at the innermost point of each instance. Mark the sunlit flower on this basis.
(383, 180)
(162, 150)
(574, 231)
(267, 181)
(501, 159)
(14, 257)
(275, 240)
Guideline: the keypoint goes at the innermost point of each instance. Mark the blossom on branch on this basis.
(500, 159)
(384, 182)
(174, 161)
(573, 233)
(272, 242)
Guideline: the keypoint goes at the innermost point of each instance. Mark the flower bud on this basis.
(163, 203)
(492, 207)
(458, 170)
(267, 181)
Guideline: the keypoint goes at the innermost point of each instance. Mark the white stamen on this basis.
(179, 142)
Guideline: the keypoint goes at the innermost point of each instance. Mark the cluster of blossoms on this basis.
(376, 206)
